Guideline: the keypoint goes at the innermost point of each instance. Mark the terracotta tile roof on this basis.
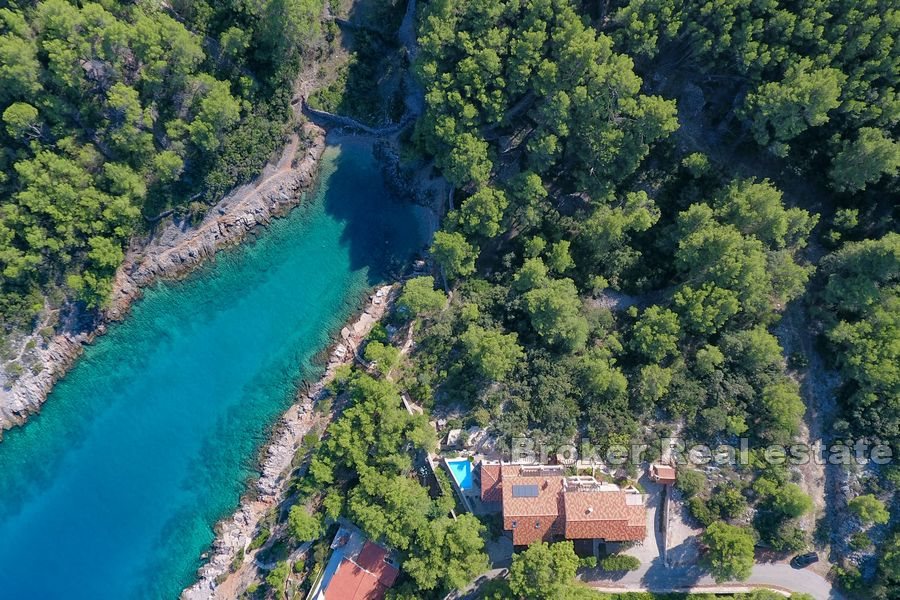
(527, 530)
(490, 483)
(519, 481)
(373, 558)
(532, 502)
(365, 576)
(352, 582)
(611, 515)
(540, 503)
(611, 531)
(662, 473)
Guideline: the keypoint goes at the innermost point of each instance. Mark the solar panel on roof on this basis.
(525, 491)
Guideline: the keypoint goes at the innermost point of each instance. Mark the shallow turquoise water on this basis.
(113, 490)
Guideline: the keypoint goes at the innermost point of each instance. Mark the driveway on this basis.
(653, 546)
(657, 578)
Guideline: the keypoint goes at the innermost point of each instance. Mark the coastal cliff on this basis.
(170, 253)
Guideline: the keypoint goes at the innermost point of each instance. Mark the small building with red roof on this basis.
(662, 474)
(358, 569)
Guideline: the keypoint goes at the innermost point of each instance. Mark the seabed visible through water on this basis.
(114, 489)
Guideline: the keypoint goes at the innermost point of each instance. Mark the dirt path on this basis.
(795, 332)
(818, 386)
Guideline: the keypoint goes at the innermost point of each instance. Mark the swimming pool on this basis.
(461, 469)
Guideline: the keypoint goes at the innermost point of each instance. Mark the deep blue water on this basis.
(114, 489)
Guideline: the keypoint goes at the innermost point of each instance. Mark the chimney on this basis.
(589, 510)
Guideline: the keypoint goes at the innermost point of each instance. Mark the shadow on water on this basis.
(380, 232)
(152, 436)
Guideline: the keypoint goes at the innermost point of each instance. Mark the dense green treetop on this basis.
(860, 304)
(543, 570)
(730, 555)
(112, 109)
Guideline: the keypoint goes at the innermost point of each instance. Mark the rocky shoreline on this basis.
(235, 532)
(171, 253)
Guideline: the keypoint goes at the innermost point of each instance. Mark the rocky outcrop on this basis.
(169, 254)
(236, 532)
(29, 392)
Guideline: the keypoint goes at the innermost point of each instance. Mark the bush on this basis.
(620, 562)
(690, 482)
(277, 577)
(860, 541)
(259, 539)
(419, 297)
(870, 509)
(788, 538)
(14, 371)
(848, 577)
(700, 511)
(304, 527)
(378, 334)
(727, 502)
(384, 357)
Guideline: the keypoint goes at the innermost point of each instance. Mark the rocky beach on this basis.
(234, 533)
(170, 253)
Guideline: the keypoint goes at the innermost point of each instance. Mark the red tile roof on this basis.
(490, 483)
(368, 577)
(546, 502)
(373, 558)
(531, 502)
(662, 473)
(540, 503)
(604, 515)
(351, 582)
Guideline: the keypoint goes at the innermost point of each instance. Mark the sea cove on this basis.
(114, 489)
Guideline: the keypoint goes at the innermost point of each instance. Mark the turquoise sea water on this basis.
(113, 490)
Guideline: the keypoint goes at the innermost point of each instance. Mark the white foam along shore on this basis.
(234, 533)
(171, 253)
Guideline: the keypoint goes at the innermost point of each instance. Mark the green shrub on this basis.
(690, 482)
(620, 562)
(259, 539)
(860, 541)
(304, 527)
(14, 371)
(700, 511)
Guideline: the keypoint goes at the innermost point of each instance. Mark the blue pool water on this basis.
(462, 472)
(114, 489)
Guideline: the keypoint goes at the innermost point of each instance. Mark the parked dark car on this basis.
(804, 560)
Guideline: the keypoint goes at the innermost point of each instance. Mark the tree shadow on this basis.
(659, 576)
(370, 87)
(380, 231)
